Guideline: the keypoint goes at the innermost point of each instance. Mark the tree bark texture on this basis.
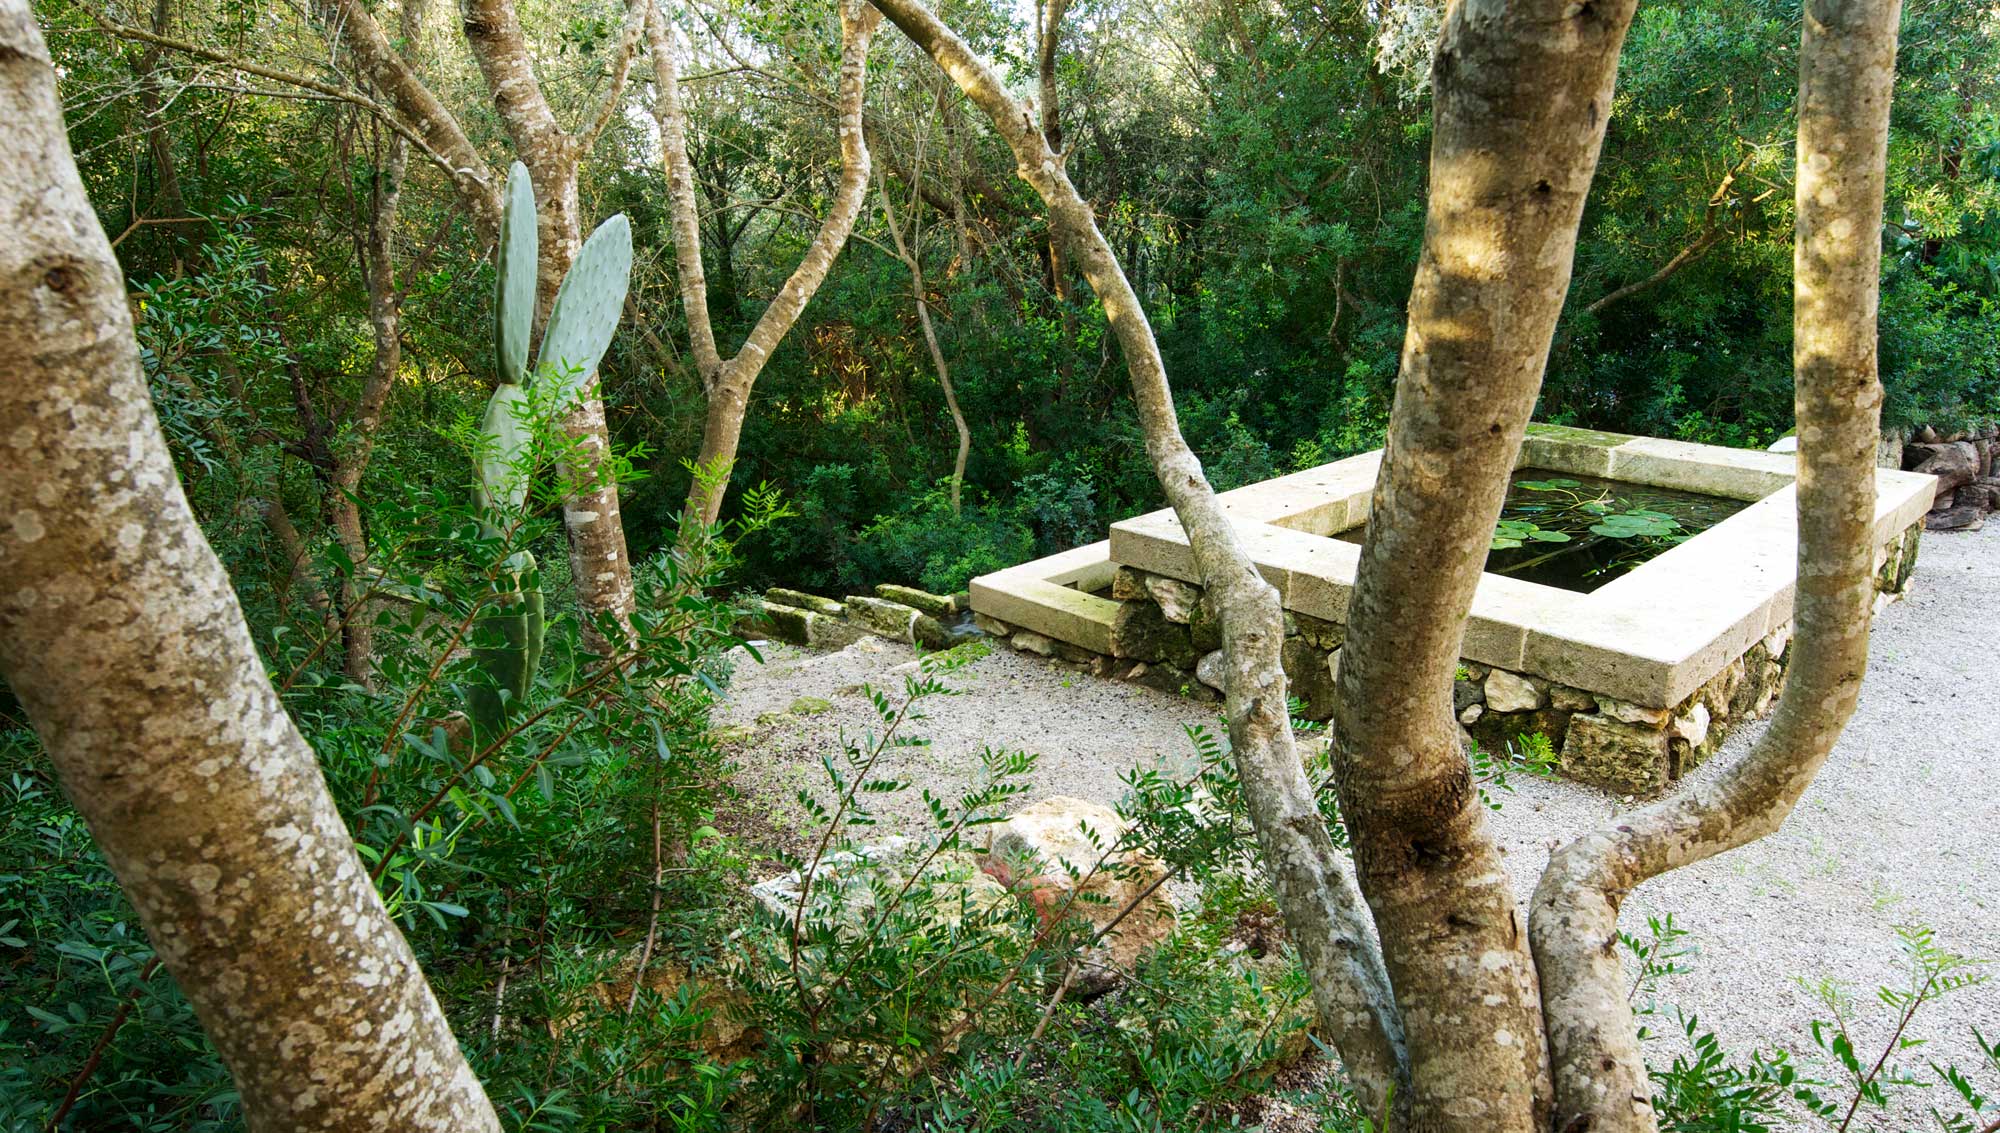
(727, 384)
(1323, 912)
(121, 635)
(1522, 93)
(1846, 76)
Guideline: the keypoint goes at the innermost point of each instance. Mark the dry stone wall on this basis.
(1165, 637)
(1967, 467)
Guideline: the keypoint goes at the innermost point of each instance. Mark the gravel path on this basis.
(1899, 829)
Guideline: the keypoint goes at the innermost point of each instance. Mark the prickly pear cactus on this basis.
(509, 636)
(508, 648)
(588, 305)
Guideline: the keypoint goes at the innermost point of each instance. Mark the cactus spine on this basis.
(581, 323)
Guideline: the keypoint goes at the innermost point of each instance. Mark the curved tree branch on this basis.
(1846, 75)
(1323, 912)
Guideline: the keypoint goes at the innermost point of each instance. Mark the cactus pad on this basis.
(588, 305)
(514, 277)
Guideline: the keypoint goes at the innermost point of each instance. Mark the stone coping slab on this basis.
(1652, 636)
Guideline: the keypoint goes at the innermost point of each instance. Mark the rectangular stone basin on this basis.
(1642, 645)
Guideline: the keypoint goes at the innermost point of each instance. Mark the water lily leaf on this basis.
(1549, 537)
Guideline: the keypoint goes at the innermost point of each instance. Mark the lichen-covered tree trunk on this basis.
(1846, 75)
(122, 638)
(1323, 913)
(727, 384)
(1522, 91)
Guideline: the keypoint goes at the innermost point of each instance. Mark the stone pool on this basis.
(1634, 669)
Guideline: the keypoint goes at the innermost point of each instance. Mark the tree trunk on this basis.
(122, 638)
(1323, 913)
(910, 260)
(1522, 93)
(1846, 75)
(727, 384)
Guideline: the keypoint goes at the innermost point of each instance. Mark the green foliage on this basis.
(1704, 1090)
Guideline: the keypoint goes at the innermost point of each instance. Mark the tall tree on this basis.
(726, 383)
(1521, 93)
(1847, 62)
(125, 643)
(1323, 913)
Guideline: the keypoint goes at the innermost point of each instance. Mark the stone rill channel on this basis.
(1668, 625)
(1578, 532)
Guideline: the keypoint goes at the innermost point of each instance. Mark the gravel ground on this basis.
(1898, 829)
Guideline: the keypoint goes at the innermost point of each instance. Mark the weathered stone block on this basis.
(897, 622)
(1129, 585)
(1028, 641)
(823, 632)
(1617, 756)
(1571, 699)
(1465, 694)
(992, 627)
(1178, 600)
(936, 605)
(1074, 654)
(1318, 631)
(1511, 692)
(800, 600)
(1210, 670)
(1205, 630)
(1495, 730)
(1163, 677)
(1626, 712)
(1141, 632)
(1311, 679)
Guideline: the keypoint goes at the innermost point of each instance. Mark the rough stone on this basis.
(1060, 852)
(1105, 665)
(936, 605)
(992, 627)
(1510, 692)
(1465, 694)
(892, 620)
(1129, 585)
(810, 706)
(1953, 464)
(1496, 730)
(1779, 639)
(1318, 631)
(1311, 680)
(1471, 713)
(823, 632)
(1967, 517)
(1162, 677)
(1177, 600)
(1626, 712)
(1205, 630)
(1209, 670)
(800, 600)
(1074, 654)
(1617, 756)
(1571, 699)
(1028, 641)
(1141, 632)
(1693, 727)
